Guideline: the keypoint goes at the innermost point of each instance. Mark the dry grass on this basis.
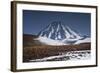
(35, 52)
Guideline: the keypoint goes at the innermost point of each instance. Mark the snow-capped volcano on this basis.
(58, 34)
(58, 31)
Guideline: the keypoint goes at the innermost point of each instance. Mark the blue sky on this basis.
(35, 21)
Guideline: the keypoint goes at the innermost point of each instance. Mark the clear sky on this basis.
(35, 21)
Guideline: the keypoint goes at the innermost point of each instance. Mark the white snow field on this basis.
(49, 41)
(72, 55)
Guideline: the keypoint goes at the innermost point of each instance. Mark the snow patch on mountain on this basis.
(86, 40)
(48, 41)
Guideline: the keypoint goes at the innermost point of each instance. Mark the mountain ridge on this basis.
(57, 33)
